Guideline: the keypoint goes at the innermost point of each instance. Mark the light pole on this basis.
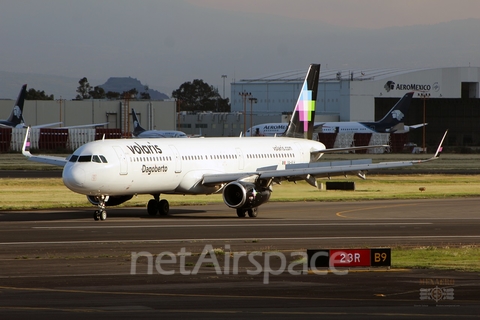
(244, 98)
(60, 103)
(224, 76)
(424, 96)
(252, 101)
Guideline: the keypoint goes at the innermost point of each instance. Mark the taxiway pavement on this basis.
(63, 263)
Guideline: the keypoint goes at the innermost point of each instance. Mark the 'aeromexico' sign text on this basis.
(413, 86)
(391, 85)
(144, 149)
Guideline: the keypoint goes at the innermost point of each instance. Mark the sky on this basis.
(164, 43)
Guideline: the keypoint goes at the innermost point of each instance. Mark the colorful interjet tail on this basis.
(303, 117)
(16, 117)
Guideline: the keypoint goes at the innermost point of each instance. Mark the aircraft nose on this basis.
(73, 177)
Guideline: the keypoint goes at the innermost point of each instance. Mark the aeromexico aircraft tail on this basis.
(303, 117)
(137, 129)
(395, 116)
(16, 117)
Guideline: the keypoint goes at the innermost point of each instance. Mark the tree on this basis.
(199, 96)
(33, 94)
(145, 95)
(83, 89)
(130, 94)
(110, 95)
(97, 93)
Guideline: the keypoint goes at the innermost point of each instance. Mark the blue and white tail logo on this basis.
(397, 114)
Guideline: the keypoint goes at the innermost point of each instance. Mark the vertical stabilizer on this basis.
(303, 117)
(399, 111)
(16, 117)
(137, 129)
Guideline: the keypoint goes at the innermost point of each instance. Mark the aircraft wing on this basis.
(311, 171)
(302, 171)
(54, 125)
(317, 126)
(416, 126)
(46, 125)
(53, 160)
(334, 150)
(84, 125)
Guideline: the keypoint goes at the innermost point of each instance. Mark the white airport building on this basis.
(449, 97)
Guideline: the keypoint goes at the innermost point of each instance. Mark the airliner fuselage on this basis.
(131, 166)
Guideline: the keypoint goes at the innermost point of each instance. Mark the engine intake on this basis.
(112, 200)
(243, 195)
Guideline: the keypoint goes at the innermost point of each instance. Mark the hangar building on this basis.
(445, 97)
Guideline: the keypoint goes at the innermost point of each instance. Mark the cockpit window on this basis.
(88, 158)
(85, 158)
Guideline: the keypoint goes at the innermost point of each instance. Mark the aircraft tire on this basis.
(96, 215)
(152, 207)
(163, 207)
(252, 213)
(241, 213)
(103, 215)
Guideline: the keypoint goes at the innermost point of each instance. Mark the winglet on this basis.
(440, 146)
(26, 144)
(53, 160)
(437, 153)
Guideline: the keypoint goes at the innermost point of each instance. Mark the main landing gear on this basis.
(156, 205)
(252, 213)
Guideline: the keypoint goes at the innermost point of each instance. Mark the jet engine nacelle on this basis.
(112, 200)
(243, 195)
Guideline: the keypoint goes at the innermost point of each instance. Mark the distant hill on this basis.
(65, 87)
(121, 84)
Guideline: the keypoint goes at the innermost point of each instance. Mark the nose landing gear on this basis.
(101, 213)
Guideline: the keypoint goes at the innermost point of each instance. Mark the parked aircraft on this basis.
(16, 117)
(110, 172)
(139, 132)
(392, 122)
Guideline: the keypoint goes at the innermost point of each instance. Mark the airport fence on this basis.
(11, 140)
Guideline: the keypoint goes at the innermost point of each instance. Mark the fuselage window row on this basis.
(150, 159)
(260, 156)
(212, 157)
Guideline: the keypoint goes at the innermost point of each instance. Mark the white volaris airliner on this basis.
(110, 172)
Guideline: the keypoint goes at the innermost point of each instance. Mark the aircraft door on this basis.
(122, 159)
(178, 160)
